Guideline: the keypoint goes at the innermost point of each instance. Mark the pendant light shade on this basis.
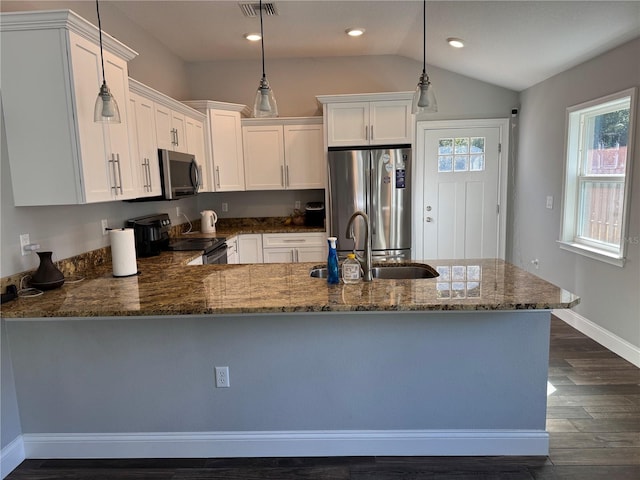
(106, 108)
(265, 103)
(424, 100)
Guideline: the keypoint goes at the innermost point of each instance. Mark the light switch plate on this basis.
(549, 202)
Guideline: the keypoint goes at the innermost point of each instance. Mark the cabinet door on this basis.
(164, 131)
(312, 254)
(279, 255)
(195, 143)
(118, 144)
(104, 148)
(226, 146)
(250, 248)
(144, 146)
(263, 157)
(348, 124)
(390, 122)
(179, 126)
(304, 157)
(97, 178)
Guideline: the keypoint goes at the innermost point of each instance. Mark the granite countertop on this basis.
(229, 227)
(167, 286)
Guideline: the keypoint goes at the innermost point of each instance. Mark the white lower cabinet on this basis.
(250, 248)
(232, 250)
(294, 247)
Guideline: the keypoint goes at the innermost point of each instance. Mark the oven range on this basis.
(215, 249)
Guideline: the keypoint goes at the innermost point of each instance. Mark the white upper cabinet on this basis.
(368, 119)
(144, 148)
(177, 127)
(305, 163)
(171, 129)
(263, 157)
(282, 154)
(57, 153)
(194, 134)
(224, 141)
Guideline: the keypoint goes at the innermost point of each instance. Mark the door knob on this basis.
(429, 219)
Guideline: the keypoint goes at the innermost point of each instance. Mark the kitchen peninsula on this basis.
(454, 365)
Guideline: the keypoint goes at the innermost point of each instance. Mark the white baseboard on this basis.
(11, 456)
(287, 444)
(604, 337)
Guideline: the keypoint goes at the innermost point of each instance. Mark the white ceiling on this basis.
(514, 44)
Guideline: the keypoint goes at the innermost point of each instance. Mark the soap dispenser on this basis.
(333, 273)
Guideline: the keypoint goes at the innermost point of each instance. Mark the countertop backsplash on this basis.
(76, 266)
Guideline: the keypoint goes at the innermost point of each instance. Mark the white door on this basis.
(460, 178)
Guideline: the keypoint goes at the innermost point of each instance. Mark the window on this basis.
(464, 154)
(597, 177)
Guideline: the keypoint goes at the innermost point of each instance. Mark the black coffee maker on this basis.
(151, 233)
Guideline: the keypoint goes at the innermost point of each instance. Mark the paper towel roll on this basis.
(123, 252)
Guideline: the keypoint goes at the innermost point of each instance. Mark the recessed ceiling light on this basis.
(355, 32)
(252, 37)
(455, 42)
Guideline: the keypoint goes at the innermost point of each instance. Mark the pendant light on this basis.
(424, 100)
(265, 103)
(106, 108)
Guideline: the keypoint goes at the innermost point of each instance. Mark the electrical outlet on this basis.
(225, 207)
(297, 205)
(24, 241)
(105, 226)
(222, 377)
(178, 211)
(549, 202)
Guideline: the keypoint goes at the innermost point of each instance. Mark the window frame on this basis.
(575, 178)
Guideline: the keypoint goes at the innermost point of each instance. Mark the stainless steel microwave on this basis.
(180, 174)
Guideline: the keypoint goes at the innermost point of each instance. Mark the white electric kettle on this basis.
(208, 221)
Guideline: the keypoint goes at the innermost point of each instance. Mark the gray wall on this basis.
(609, 293)
(297, 81)
(173, 80)
(339, 371)
(10, 427)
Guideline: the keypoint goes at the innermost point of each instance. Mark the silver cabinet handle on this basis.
(371, 131)
(149, 173)
(287, 184)
(217, 176)
(119, 172)
(177, 138)
(282, 176)
(113, 168)
(366, 132)
(146, 177)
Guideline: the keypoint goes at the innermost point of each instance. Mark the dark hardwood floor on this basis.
(593, 419)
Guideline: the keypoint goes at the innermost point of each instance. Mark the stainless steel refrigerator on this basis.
(378, 182)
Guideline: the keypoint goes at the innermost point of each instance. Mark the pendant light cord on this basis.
(104, 81)
(424, 38)
(262, 40)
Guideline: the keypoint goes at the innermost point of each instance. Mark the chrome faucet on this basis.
(365, 261)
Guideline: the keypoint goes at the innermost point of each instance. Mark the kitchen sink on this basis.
(389, 272)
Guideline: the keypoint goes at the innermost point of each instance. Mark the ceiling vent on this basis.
(252, 9)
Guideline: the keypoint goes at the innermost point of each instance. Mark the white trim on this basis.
(604, 337)
(592, 253)
(11, 456)
(287, 444)
(364, 97)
